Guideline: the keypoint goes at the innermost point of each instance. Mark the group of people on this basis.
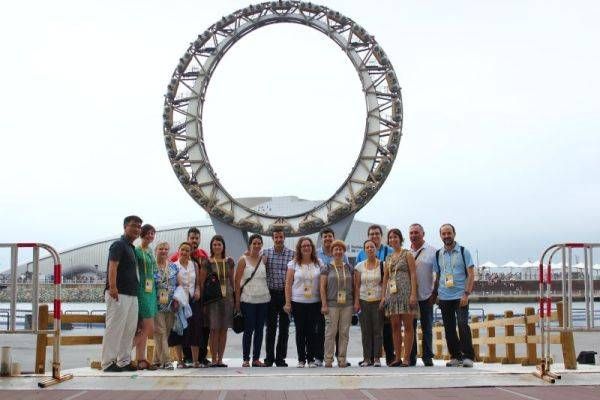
(188, 300)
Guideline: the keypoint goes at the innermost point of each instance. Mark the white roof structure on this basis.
(489, 264)
(511, 264)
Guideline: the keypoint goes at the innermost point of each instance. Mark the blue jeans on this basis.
(426, 310)
(254, 324)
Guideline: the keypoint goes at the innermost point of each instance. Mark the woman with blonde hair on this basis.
(399, 297)
(166, 282)
(337, 300)
(302, 299)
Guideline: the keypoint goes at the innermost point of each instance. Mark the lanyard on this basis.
(164, 275)
(305, 275)
(222, 280)
(187, 273)
(371, 275)
(144, 254)
(452, 263)
(338, 275)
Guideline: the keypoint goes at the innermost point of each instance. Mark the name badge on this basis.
(341, 297)
(163, 296)
(307, 292)
(449, 280)
(223, 290)
(393, 287)
(149, 285)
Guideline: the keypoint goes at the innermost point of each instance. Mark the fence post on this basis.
(566, 341)
(491, 332)
(42, 340)
(475, 335)
(509, 331)
(531, 358)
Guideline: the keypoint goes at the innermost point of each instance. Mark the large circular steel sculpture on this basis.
(184, 101)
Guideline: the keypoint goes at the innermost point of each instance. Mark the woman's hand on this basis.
(324, 309)
(287, 308)
(356, 307)
(412, 301)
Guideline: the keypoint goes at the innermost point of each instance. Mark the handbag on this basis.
(238, 317)
(212, 289)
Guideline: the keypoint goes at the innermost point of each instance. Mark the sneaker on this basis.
(318, 363)
(312, 364)
(454, 363)
(428, 362)
(168, 366)
(377, 363)
(113, 368)
(300, 364)
(467, 363)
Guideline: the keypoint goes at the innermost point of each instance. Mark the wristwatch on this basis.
(467, 293)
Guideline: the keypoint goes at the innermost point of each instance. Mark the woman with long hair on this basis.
(219, 313)
(399, 297)
(252, 298)
(302, 299)
(367, 282)
(146, 295)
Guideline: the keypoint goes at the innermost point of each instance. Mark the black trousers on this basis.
(459, 346)
(426, 311)
(276, 316)
(306, 319)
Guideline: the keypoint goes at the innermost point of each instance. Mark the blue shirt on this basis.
(451, 262)
(325, 259)
(382, 253)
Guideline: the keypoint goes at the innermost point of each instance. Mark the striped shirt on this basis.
(277, 267)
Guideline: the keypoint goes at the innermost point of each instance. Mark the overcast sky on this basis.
(501, 109)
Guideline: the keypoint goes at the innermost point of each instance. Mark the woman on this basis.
(337, 299)
(166, 281)
(146, 295)
(187, 274)
(399, 297)
(367, 283)
(252, 296)
(219, 313)
(302, 299)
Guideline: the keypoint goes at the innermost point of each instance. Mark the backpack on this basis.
(462, 254)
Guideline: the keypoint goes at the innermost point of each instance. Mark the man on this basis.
(277, 259)
(324, 254)
(424, 255)
(193, 238)
(454, 270)
(375, 234)
(121, 299)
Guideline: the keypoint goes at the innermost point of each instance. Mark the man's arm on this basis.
(112, 279)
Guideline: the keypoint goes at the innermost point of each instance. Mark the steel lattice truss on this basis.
(184, 135)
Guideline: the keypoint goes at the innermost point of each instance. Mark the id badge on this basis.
(449, 280)
(163, 296)
(224, 290)
(149, 285)
(341, 297)
(393, 288)
(307, 292)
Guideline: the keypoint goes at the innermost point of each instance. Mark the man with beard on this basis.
(277, 259)
(193, 238)
(454, 270)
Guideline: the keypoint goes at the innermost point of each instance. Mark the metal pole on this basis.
(591, 287)
(35, 295)
(586, 297)
(570, 297)
(14, 255)
(564, 286)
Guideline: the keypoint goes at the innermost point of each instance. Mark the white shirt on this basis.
(424, 264)
(256, 290)
(370, 281)
(305, 276)
(188, 276)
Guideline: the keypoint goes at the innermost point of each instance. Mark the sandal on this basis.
(144, 364)
(258, 363)
(246, 364)
(396, 363)
(181, 365)
(196, 364)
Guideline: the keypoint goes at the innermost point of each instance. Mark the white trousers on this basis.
(121, 324)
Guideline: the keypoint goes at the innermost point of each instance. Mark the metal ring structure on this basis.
(184, 101)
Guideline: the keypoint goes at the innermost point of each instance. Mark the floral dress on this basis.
(398, 272)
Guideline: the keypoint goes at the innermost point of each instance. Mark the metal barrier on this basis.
(12, 325)
(566, 327)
